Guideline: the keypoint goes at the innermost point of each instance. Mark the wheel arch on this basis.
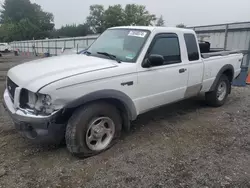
(227, 70)
(119, 99)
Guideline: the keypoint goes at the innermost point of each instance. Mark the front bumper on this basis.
(39, 128)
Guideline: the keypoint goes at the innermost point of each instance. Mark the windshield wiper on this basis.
(111, 56)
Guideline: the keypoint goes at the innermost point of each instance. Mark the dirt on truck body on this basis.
(182, 145)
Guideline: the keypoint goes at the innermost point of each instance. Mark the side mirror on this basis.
(153, 60)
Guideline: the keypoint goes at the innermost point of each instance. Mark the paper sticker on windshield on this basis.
(141, 34)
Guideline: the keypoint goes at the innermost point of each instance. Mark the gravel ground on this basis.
(182, 145)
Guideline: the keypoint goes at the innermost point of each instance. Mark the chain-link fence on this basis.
(53, 46)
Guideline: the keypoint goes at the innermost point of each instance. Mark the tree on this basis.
(101, 19)
(114, 16)
(96, 18)
(160, 21)
(14, 11)
(138, 15)
(45, 20)
(71, 31)
(181, 25)
(23, 20)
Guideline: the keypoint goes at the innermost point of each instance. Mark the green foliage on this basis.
(160, 21)
(95, 20)
(71, 31)
(22, 20)
(15, 10)
(100, 19)
(138, 15)
(114, 16)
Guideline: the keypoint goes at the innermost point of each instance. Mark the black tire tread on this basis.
(211, 97)
(79, 115)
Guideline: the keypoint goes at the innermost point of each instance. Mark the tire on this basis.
(212, 97)
(82, 123)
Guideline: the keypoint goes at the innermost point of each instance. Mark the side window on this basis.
(192, 48)
(168, 47)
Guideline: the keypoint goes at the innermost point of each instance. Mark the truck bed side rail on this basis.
(223, 53)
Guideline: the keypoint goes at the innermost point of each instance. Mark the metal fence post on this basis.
(48, 47)
(248, 56)
(226, 36)
(37, 49)
(42, 46)
(56, 47)
(74, 42)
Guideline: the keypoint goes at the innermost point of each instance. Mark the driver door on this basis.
(159, 85)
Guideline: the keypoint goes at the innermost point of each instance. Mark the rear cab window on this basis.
(192, 47)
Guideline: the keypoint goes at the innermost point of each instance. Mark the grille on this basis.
(11, 87)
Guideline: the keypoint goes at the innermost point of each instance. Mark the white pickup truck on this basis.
(5, 47)
(89, 98)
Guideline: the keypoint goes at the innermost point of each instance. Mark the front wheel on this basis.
(218, 97)
(93, 129)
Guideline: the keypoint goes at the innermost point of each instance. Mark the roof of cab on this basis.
(151, 28)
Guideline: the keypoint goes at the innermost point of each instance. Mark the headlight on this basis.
(46, 100)
(37, 102)
(43, 104)
(32, 98)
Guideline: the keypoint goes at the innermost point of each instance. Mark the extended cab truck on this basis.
(89, 98)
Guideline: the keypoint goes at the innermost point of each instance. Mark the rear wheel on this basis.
(218, 97)
(93, 129)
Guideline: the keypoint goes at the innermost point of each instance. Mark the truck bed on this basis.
(215, 61)
(220, 53)
(207, 51)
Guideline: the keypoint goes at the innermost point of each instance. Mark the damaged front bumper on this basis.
(39, 128)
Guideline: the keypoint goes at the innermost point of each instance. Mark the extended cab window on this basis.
(168, 46)
(192, 48)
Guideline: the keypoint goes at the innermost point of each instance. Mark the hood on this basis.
(44, 71)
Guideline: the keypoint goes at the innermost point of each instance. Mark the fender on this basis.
(222, 70)
(107, 94)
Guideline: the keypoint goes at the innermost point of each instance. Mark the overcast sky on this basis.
(189, 12)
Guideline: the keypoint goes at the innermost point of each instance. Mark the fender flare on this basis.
(107, 94)
(221, 71)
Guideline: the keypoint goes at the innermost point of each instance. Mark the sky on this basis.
(189, 12)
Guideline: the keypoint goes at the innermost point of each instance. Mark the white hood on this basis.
(44, 71)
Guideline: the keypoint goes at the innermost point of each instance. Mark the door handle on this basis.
(182, 70)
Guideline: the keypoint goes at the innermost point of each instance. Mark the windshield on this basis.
(125, 44)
